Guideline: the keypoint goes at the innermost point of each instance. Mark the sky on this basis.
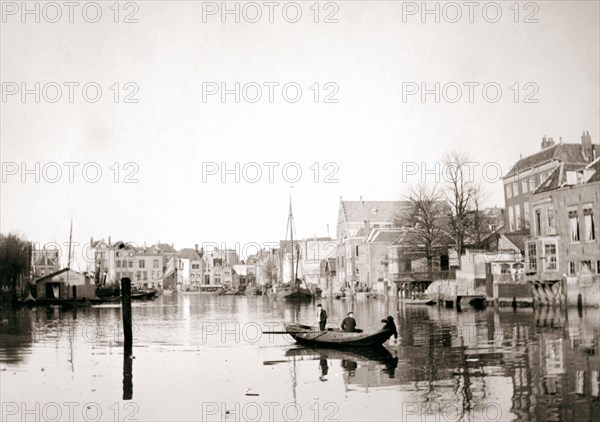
(156, 154)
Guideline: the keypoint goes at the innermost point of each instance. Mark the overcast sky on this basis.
(370, 57)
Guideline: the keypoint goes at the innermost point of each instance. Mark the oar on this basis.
(293, 332)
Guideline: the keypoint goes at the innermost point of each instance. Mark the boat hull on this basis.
(418, 301)
(294, 295)
(309, 336)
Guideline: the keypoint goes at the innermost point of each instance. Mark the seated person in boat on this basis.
(349, 323)
(391, 326)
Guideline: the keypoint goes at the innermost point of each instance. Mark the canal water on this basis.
(204, 358)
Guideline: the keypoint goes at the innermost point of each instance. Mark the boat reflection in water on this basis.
(367, 366)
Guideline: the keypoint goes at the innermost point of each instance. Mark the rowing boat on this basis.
(304, 334)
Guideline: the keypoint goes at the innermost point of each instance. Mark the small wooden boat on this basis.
(139, 295)
(294, 293)
(150, 293)
(29, 300)
(229, 292)
(304, 334)
(418, 301)
(211, 290)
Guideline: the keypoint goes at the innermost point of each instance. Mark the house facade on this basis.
(45, 261)
(373, 256)
(355, 221)
(562, 256)
(530, 172)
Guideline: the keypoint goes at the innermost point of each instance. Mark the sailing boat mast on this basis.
(291, 227)
(70, 241)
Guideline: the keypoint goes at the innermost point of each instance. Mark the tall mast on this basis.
(70, 240)
(291, 227)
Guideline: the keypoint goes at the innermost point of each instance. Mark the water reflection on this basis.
(372, 361)
(539, 365)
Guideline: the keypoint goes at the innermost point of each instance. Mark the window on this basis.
(574, 226)
(142, 263)
(597, 267)
(155, 263)
(588, 222)
(139, 275)
(524, 187)
(586, 266)
(526, 213)
(551, 217)
(550, 255)
(533, 183)
(538, 222)
(153, 273)
(511, 218)
(515, 189)
(531, 256)
(571, 268)
(145, 275)
(130, 264)
(118, 264)
(509, 191)
(518, 216)
(356, 250)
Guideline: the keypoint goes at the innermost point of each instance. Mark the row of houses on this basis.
(161, 265)
(553, 203)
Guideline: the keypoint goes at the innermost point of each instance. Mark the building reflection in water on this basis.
(540, 365)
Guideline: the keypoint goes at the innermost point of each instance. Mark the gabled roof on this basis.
(45, 261)
(372, 211)
(558, 177)
(384, 235)
(517, 239)
(189, 253)
(54, 274)
(565, 153)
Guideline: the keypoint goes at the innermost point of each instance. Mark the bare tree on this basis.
(424, 220)
(460, 194)
(479, 222)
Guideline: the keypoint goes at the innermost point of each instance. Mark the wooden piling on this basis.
(126, 311)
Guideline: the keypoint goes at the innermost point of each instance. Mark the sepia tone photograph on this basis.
(300, 211)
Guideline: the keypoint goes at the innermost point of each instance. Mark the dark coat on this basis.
(390, 325)
(349, 324)
(323, 315)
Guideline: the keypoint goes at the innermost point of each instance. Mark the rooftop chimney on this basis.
(586, 146)
(547, 142)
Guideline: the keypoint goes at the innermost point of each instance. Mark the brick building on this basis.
(530, 172)
(563, 255)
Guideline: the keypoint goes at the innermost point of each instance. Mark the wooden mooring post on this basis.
(126, 310)
(128, 336)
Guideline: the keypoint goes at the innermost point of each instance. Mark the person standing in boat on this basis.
(321, 317)
(349, 323)
(391, 326)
